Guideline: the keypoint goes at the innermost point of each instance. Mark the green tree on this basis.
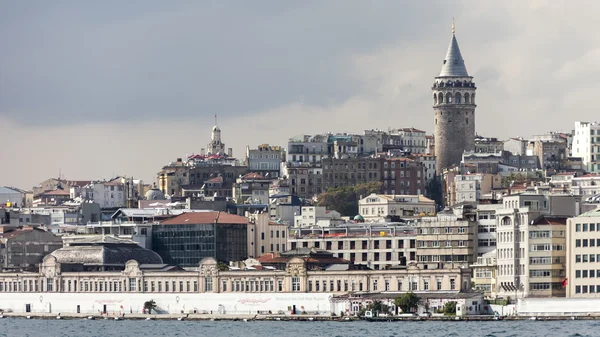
(345, 199)
(407, 302)
(149, 306)
(450, 308)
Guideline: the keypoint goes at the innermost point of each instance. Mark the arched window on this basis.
(466, 98)
(434, 99)
(441, 98)
(441, 84)
(457, 98)
(448, 97)
(472, 98)
(506, 221)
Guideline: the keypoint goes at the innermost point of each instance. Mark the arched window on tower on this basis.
(448, 97)
(466, 98)
(435, 99)
(472, 98)
(457, 98)
(441, 98)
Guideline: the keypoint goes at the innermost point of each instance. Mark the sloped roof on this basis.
(206, 218)
(56, 192)
(252, 175)
(105, 253)
(218, 179)
(454, 65)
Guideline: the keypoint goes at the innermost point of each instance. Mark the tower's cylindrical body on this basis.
(454, 110)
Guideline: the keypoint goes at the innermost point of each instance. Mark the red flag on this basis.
(565, 282)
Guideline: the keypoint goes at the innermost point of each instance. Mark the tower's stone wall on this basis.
(454, 119)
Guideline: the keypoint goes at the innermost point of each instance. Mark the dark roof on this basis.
(550, 220)
(206, 218)
(105, 253)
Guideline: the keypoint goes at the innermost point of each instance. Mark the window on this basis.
(208, 284)
(425, 284)
(374, 285)
(295, 284)
(452, 284)
(131, 284)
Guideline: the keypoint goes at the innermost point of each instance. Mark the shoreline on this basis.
(307, 318)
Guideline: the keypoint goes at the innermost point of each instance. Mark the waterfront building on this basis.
(531, 245)
(188, 238)
(375, 207)
(450, 238)
(208, 288)
(486, 228)
(484, 273)
(582, 279)
(377, 245)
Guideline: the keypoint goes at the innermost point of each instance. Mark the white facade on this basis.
(316, 216)
(486, 233)
(586, 144)
(587, 185)
(583, 264)
(377, 206)
(106, 194)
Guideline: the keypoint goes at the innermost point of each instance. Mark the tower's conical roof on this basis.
(454, 65)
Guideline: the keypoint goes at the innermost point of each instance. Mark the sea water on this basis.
(103, 328)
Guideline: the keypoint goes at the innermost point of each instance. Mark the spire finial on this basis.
(215, 119)
(453, 30)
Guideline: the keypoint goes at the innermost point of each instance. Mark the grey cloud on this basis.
(75, 62)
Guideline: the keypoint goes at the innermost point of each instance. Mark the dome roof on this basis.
(359, 217)
(105, 252)
(154, 194)
(216, 128)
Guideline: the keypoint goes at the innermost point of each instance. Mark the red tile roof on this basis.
(56, 192)
(218, 179)
(252, 175)
(197, 218)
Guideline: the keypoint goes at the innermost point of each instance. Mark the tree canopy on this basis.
(407, 302)
(345, 199)
(149, 306)
(434, 191)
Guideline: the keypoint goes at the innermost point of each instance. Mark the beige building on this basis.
(531, 248)
(378, 206)
(265, 236)
(448, 239)
(378, 245)
(583, 264)
(472, 187)
(295, 277)
(484, 273)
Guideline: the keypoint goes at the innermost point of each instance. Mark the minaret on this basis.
(454, 109)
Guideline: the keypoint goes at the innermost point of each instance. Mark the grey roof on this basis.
(7, 190)
(105, 254)
(454, 65)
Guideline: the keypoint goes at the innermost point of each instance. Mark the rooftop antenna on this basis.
(453, 30)
(215, 119)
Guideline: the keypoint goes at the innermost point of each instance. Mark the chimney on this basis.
(229, 152)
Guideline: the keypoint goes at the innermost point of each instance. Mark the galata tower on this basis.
(454, 107)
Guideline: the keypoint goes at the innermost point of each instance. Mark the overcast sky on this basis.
(101, 88)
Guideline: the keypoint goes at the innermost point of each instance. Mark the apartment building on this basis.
(265, 160)
(486, 228)
(531, 246)
(317, 216)
(583, 261)
(403, 176)
(265, 235)
(586, 185)
(378, 245)
(449, 238)
(473, 187)
(586, 144)
(380, 206)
